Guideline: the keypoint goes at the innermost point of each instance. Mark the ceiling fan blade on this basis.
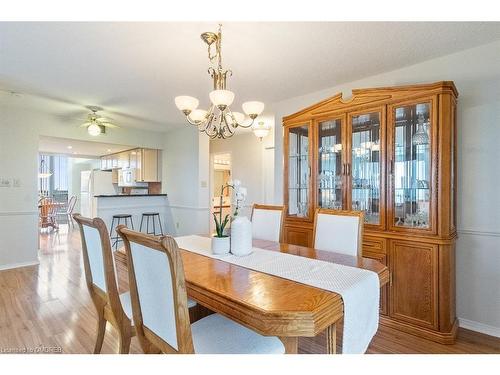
(109, 125)
(104, 119)
(86, 124)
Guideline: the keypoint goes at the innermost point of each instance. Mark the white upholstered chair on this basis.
(159, 304)
(267, 222)
(338, 231)
(100, 275)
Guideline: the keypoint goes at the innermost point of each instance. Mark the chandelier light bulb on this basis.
(222, 98)
(253, 109)
(186, 103)
(94, 130)
(198, 115)
(238, 116)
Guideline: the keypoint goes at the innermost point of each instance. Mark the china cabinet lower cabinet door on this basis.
(414, 286)
(298, 236)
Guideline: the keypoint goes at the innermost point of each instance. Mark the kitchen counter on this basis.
(130, 195)
(133, 204)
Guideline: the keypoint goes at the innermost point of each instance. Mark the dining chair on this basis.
(267, 222)
(69, 209)
(159, 305)
(48, 212)
(100, 275)
(339, 231)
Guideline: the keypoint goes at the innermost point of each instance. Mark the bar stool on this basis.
(151, 215)
(118, 218)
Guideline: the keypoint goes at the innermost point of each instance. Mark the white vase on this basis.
(241, 236)
(221, 245)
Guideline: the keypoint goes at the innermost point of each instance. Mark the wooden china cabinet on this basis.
(390, 152)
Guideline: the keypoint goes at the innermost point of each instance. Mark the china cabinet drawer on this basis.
(374, 245)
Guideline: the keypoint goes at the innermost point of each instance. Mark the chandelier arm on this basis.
(247, 126)
(228, 128)
(234, 123)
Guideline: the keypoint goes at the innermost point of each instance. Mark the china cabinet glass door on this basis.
(299, 170)
(364, 171)
(411, 166)
(331, 166)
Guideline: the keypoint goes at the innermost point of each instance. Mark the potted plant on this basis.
(220, 241)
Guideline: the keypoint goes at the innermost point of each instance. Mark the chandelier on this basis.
(219, 121)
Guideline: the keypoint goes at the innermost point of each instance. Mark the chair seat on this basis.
(127, 304)
(216, 334)
(150, 213)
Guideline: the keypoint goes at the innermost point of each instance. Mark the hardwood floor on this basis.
(47, 308)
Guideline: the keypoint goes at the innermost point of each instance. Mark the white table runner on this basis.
(359, 288)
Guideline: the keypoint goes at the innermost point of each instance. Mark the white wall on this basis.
(18, 205)
(20, 128)
(476, 73)
(250, 163)
(185, 180)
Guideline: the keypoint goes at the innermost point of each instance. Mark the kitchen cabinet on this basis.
(145, 161)
(148, 165)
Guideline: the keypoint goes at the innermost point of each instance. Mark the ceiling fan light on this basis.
(253, 108)
(186, 103)
(198, 115)
(94, 129)
(221, 97)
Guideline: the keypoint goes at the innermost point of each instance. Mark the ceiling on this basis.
(77, 149)
(134, 70)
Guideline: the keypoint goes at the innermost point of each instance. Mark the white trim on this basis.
(18, 265)
(479, 327)
(194, 208)
(478, 233)
(18, 213)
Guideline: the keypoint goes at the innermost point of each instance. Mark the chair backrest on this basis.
(98, 262)
(157, 291)
(46, 207)
(71, 204)
(338, 231)
(267, 222)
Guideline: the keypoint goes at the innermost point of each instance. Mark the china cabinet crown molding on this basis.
(413, 231)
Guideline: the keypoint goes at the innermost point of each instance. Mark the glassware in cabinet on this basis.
(298, 171)
(411, 168)
(365, 165)
(330, 164)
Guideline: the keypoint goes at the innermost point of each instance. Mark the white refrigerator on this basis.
(94, 183)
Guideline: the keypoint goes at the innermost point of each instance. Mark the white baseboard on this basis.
(479, 327)
(18, 265)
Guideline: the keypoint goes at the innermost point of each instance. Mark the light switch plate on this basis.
(204, 184)
(5, 182)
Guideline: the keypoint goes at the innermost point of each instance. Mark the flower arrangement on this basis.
(240, 195)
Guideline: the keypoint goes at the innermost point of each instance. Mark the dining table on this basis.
(267, 304)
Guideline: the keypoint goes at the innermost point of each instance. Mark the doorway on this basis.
(220, 176)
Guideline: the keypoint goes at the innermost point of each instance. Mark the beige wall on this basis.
(249, 163)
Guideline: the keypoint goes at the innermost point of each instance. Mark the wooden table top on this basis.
(269, 304)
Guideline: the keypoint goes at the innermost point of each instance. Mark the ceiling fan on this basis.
(95, 123)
